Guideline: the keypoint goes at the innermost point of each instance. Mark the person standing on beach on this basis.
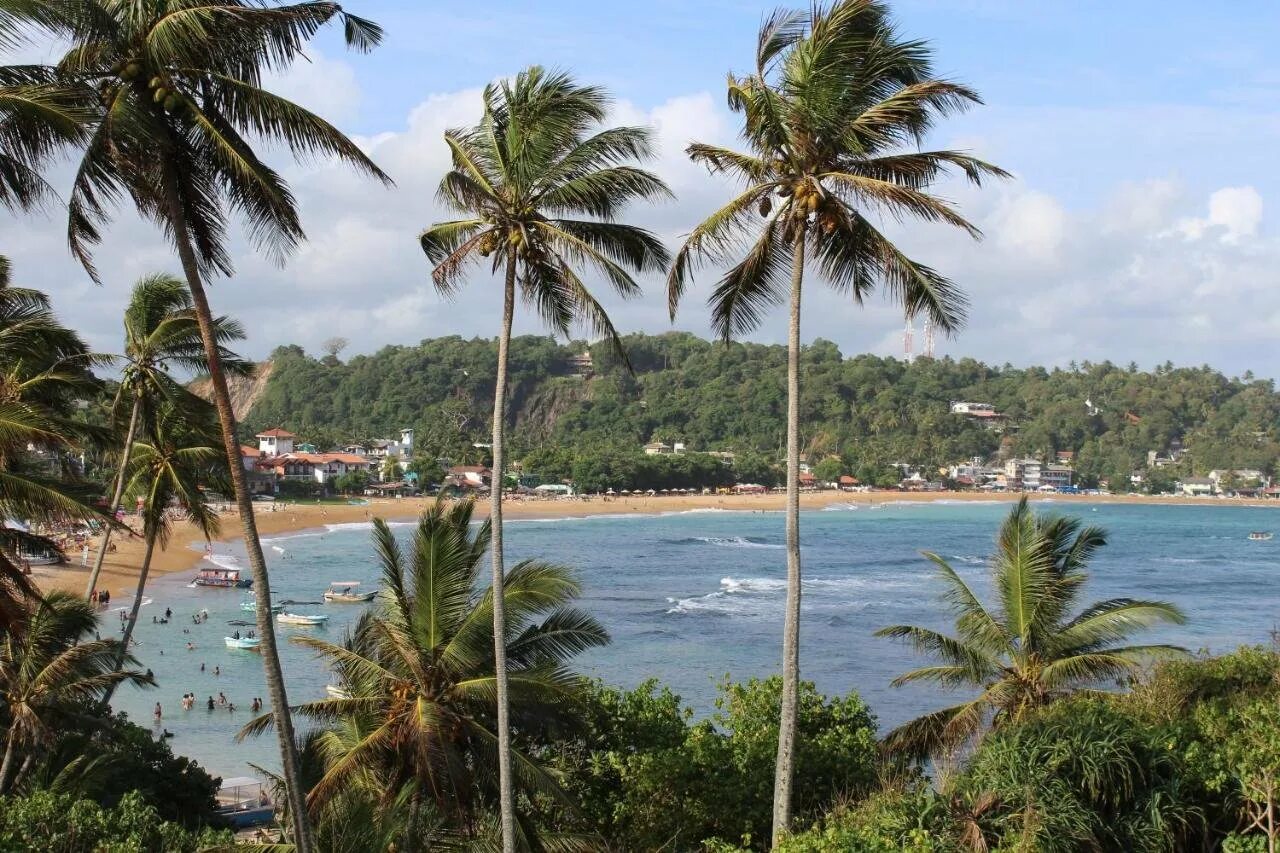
(158, 714)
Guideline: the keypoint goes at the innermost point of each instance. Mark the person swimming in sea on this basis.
(210, 703)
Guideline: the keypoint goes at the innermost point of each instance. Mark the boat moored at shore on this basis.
(224, 578)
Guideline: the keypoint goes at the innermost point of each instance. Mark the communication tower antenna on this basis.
(928, 337)
(908, 338)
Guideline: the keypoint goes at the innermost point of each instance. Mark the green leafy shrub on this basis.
(646, 776)
(62, 823)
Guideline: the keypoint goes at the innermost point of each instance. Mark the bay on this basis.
(691, 598)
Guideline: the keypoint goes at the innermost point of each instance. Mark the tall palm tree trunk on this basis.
(116, 494)
(791, 623)
(506, 794)
(133, 613)
(257, 562)
(6, 767)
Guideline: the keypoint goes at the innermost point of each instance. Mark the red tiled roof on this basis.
(246, 450)
(275, 433)
(846, 480)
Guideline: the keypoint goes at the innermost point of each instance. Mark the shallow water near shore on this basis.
(690, 597)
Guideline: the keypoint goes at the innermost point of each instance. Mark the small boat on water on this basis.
(242, 642)
(347, 592)
(252, 606)
(302, 618)
(1261, 535)
(226, 578)
(243, 802)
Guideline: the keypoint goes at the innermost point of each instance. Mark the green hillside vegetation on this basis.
(868, 411)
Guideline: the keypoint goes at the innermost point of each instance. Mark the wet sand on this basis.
(119, 571)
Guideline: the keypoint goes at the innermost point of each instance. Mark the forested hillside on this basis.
(868, 410)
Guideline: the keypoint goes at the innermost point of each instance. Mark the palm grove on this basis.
(460, 721)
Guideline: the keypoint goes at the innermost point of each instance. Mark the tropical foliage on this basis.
(178, 100)
(646, 775)
(49, 673)
(864, 410)
(63, 823)
(44, 371)
(415, 716)
(174, 466)
(161, 335)
(1032, 647)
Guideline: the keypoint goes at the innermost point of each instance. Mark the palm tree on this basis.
(38, 116)
(44, 369)
(160, 333)
(1031, 649)
(418, 678)
(174, 460)
(179, 93)
(541, 197)
(835, 102)
(49, 674)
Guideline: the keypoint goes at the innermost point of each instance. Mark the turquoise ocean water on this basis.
(690, 597)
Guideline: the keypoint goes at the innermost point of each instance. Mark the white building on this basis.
(275, 442)
(1022, 474)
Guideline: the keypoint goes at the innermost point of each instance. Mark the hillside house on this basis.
(275, 442)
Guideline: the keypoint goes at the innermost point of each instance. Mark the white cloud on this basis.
(1153, 271)
(1234, 214)
(325, 86)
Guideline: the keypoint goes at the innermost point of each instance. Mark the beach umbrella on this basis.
(610, 492)
(651, 492)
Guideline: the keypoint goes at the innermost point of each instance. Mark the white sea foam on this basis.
(736, 542)
(840, 508)
(758, 596)
(277, 549)
(970, 559)
(363, 525)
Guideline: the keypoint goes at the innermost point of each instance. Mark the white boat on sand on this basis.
(346, 592)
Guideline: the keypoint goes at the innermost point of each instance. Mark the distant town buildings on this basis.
(279, 459)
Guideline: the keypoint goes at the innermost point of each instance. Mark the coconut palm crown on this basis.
(541, 193)
(833, 112)
(1032, 647)
(418, 685)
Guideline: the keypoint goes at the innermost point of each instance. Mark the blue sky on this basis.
(1139, 227)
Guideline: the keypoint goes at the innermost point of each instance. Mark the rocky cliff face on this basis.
(245, 391)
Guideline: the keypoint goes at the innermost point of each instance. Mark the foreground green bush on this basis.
(61, 823)
(647, 777)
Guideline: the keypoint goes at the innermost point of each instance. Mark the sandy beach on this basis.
(119, 572)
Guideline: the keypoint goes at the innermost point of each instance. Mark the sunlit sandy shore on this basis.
(120, 568)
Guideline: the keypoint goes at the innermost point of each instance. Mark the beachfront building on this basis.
(1197, 486)
(1057, 476)
(469, 477)
(1022, 475)
(275, 442)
